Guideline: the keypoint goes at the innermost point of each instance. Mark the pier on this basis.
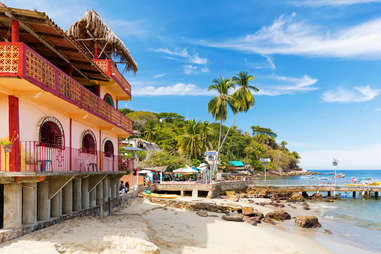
(216, 188)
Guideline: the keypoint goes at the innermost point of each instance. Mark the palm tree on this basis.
(190, 142)
(243, 98)
(217, 106)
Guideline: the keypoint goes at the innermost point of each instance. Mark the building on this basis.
(60, 123)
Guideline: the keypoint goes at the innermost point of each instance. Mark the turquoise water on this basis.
(353, 221)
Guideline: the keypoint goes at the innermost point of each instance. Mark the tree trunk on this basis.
(223, 141)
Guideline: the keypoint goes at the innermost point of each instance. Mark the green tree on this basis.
(258, 130)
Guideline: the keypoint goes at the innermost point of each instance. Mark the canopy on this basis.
(185, 170)
(237, 163)
(144, 171)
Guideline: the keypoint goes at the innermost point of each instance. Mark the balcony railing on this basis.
(17, 59)
(109, 67)
(37, 157)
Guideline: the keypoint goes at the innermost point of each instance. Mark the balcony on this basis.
(108, 67)
(18, 60)
(42, 158)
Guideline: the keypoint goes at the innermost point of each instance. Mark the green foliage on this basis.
(258, 130)
(141, 118)
(163, 158)
(257, 165)
(196, 163)
(125, 111)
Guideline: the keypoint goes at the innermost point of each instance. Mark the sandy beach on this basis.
(146, 228)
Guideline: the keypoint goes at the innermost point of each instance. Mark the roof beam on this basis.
(56, 47)
(47, 44)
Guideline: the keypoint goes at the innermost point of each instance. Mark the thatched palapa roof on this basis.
(91, 28)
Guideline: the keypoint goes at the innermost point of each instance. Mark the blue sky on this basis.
(316, 63)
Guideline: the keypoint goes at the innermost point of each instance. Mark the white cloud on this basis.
(270, 61)
(333, 2)
(365, 157)
(176, 89)
(287, 85)
(356, 94)
(183, 53)
(205, 69)
(160, 75)
(290, 37)
(189, 69)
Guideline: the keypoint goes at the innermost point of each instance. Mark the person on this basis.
(127, 186)
(121, 185)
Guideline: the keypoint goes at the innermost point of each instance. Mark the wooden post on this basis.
(14, 133)
(95, 50)
(15, 30)
(70, 70)
(100, 151)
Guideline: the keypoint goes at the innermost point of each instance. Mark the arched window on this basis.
(109, 100)
(108, 148)
(89, 144)
(51, 133)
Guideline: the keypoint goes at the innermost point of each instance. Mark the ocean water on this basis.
(353, 221)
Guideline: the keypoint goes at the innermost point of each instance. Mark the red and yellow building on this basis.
(60, 123)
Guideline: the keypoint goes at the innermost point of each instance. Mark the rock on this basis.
(247, 210)
(250, 220)
(278, 215)
(326, 231)
(268, 220)
(231, 195)
(235, 217)
(296, 197)
(307, 221)
(202, 213)
(316, 196)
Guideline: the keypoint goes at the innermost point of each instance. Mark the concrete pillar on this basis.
(67, 198)
(56, 205)
(29, 203)
(99, 194)
(354, 194)
(93, 198)
(106, 189)
(334, 193)
(182, 193)
(43, 202)
(85, 193)
(77, 194)
(12, 214)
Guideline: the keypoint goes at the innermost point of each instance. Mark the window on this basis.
(51, 133)
(108, 149)
(88, 142)
(109, 100)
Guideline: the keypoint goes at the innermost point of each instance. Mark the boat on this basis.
(340, 176)
(156, 195)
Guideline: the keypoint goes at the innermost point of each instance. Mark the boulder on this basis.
(278, 215)
(232, 196)
(202, 213)
(307, 221)
(316, 196)
(247, 211)
(296, 197)
(250, 220)
(234, 217)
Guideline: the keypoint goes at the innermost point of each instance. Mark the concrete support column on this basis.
(77, 194)
(85, 193)
(106, 189)
(29, 203)
(56, 205)
(12, 205)
(93, 198)
(99, 195)
(43, 202)
(182, 193)
(67, 198)
(114, 188)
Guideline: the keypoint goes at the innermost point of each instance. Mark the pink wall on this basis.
(4, 126)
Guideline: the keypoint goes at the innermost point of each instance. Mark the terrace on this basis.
(37, 73)
(47, 159)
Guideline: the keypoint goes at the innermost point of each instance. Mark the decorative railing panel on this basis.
(19, 59)
(9, 58)
(109, 67)
(37, 157)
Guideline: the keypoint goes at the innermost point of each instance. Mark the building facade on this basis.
(60, 124)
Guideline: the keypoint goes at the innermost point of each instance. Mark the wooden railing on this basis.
(37, 157)
(17, 59)
(109, 67)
